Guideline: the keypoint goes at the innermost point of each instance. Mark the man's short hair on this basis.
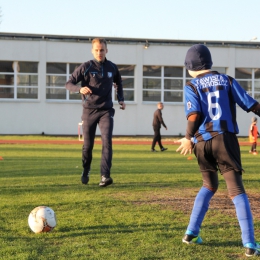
(99, 40)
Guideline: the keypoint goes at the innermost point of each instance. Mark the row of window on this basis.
(19, 80)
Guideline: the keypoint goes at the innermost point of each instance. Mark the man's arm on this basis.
(161, 119)
(75, 78)
(119, 89)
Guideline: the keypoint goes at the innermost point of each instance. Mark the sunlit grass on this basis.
(143, 215)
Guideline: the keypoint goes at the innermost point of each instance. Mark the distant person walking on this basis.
(157, 122)
(253, 134)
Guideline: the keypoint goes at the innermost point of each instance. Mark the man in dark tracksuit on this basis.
(97, 78)
(157, 122)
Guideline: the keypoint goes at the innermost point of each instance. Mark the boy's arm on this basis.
(242, 98)
(186, 142)
(255, 109)
(192, 125)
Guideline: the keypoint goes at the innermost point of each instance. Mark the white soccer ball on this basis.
(42, 219)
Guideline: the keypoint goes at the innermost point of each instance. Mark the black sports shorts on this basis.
(222, 153)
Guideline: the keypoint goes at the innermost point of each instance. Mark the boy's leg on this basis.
(199, 210)
(245, 218)
(252, 147)
(210, 185)
(237, 194)
(201, 203)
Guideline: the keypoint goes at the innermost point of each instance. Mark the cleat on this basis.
(252, 249)
(153, 150)
(190, 238)
(105, 181)
(85, 176)
(164, 149)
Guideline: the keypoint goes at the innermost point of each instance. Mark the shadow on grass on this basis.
(105, 231)
(100, 230)
(14, 187)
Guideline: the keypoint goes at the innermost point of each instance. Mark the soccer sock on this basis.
(200, 208)
(245, 218)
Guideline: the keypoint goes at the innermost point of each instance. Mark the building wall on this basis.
(62, 117)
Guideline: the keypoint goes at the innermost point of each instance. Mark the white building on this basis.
(34, 69)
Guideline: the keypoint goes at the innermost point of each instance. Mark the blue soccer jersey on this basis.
(214, 96)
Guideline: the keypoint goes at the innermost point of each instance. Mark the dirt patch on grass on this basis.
(176, 201)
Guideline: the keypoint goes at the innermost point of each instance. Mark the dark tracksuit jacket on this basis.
(97, 107)
(157, 119)
(99, 77)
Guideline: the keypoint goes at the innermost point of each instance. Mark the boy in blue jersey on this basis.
(211, 100)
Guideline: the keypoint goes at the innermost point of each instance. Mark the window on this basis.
(56, 78)
(222, 70)
(163, 84)
(249, 79)
(18, 80)
(59, 73)
(127, 74)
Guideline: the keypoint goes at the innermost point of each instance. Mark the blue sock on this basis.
(200, 208)
(245, 218)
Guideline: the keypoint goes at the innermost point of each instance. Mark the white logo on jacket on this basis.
(109, 74)
(188, 105)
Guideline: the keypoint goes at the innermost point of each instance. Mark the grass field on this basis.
(142, 216)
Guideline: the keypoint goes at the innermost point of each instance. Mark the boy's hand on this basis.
(185, 147)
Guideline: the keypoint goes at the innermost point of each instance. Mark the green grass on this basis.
(142, 216)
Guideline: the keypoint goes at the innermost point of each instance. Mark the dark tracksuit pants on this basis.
(105, 119)
(157, 137)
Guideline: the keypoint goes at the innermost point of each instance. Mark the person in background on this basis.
(253, 134)
(210, 107)
(157, 122)
(97, 77)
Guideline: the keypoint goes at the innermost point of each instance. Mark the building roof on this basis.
(132, 41)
